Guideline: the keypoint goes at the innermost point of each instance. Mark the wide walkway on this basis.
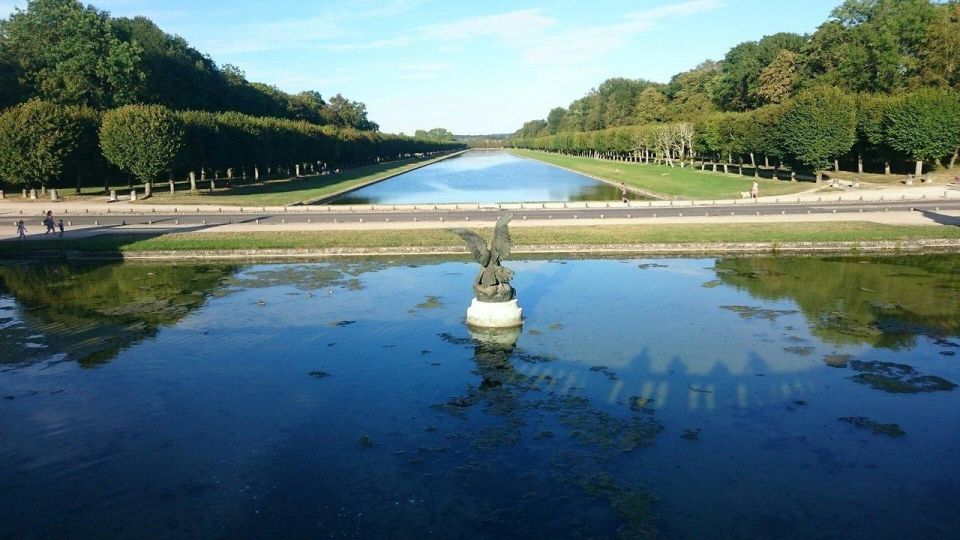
(918, 205)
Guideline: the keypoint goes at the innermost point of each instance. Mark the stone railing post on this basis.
(147, 190)
(133, 194)
(113, 195)
(53, 194)
(33, 194)
(172, 188)
(193, 181)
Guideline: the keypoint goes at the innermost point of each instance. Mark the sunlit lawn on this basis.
(610, 235)
(684, 183)
(286, 191)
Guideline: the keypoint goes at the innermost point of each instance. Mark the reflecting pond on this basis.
(682, 398)
(483, 177)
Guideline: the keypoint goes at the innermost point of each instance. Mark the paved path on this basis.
(905, 206)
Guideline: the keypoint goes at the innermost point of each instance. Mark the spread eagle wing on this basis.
(502, 244)
(476, 245)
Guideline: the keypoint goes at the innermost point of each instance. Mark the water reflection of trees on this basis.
(880, 301)
(92, 312)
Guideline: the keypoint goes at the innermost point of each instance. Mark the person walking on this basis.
(60, 226)
(623, 192)
(755, 190)
(21, 230)
(48, 221)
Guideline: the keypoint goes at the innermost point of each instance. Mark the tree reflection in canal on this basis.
(89, 313)
(882, 302)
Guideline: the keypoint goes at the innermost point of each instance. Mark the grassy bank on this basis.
(671, 182)
(523, 236)
(289, 190)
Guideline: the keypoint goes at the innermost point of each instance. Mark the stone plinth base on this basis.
(494, 314)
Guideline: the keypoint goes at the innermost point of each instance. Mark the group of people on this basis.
(48, 222)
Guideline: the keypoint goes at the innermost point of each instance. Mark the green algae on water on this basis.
(754, 312)
(890, 430)
(431, 302)
(897, 378)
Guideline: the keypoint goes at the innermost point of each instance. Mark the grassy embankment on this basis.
(774, 233)
(270, 193)
(670, 182)
(290, 190)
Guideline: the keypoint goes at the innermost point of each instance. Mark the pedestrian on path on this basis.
(623, 192)
(755, 190)
(21, 230)
(48, 221)
(60, 226)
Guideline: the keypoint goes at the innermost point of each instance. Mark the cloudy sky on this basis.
(471, 67)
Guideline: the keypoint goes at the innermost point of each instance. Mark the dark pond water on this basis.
(730, 398)
(484, 177)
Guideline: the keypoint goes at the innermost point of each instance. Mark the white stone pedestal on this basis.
(494, 314)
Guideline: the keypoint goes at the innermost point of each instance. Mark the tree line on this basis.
(880, 58)
(67, 53)
(44, 143)
(813, 130)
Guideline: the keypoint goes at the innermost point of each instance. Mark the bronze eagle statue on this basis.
(493, 282)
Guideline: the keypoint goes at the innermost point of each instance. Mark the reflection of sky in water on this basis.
(214, 423)
(483, 177)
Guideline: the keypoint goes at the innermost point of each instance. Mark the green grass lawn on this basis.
(671, 182)
(287, 191)
(522, 236)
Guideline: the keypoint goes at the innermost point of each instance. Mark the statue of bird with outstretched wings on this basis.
(493, 283)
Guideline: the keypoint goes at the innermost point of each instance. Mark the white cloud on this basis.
(513, 27)
(584, 44)
(527, 31)
(421, 70)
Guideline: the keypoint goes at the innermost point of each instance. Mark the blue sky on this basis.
(470, 67)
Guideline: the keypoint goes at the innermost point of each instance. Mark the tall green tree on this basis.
(68, 53)
(651, 107)
(346, 113)
(940, 49)
(145, 140)
(738, 87)
(37, 138)
(925, 125)
(779, 79)
(690, 92)
(819, 125)
(555, 119)
(870, 45)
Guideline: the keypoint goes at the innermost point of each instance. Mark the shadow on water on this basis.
(884, 302)
(512, 456)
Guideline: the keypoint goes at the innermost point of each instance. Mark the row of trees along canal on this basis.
(42, 143)
(89, 98)
(813, 130)
(874, 87)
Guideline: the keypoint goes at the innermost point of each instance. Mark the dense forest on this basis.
(874, 87)
(91, 97)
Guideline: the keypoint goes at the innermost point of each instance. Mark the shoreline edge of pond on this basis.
(655, 249)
